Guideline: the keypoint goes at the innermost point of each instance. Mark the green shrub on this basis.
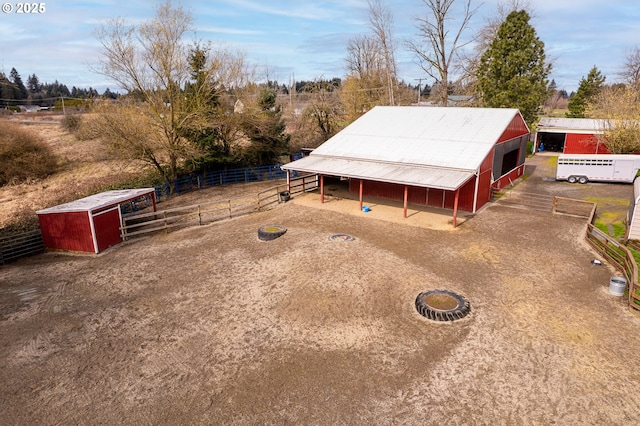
(24, 155)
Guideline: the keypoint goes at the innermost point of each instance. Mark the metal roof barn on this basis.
(571, 135)
(90, 224)
(442, 149)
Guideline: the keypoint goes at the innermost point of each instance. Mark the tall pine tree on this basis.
(587, 90)
(513, 72)
(20, 91)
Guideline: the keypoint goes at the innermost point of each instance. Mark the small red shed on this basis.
(90, 224)
(571, 135)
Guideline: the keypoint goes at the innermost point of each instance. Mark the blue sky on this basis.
(306, 38)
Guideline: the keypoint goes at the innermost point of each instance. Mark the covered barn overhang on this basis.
(444, 178)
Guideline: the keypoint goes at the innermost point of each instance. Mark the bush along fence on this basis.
(221, 177)
(200, 214)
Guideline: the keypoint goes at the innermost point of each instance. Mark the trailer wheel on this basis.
(583, 179)
(572, 179)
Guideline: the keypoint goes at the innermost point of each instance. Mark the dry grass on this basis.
(24, 155)
(83, 168)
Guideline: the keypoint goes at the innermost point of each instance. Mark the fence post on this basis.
(199, 216)
(555, 204)
(166, 226)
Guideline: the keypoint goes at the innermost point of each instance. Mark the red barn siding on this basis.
(107, 228)
(515, 129)
(584, 144)
(509, 177)
(67, 231)
(431, 197)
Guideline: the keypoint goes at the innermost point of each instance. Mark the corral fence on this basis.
(221, 177)
(540, 202)
(21, 245)
(612, 250)
(200, 214)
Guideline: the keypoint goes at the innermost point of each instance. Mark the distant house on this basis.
(571, 135)
(29, 108)
(449, 157)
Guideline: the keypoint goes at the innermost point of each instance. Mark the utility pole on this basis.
(419, 87)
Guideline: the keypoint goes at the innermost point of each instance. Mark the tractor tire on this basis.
(270, 232)
(442, 305)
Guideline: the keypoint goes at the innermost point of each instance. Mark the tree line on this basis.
(13, 91)
(194, 106)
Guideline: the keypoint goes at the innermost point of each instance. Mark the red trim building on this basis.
(571, 136)
(90, 224)
(449, 158)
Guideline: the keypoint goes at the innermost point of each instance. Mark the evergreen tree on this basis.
(587, 90)
(513, 71)
(6, 91)
(19, 89)
(33, 84)
(266, 130)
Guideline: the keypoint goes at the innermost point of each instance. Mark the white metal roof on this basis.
(98, 201)
(405, 144)
(571, 125)
(432, 177)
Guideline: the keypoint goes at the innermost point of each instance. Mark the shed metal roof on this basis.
(571, 125)
(425, 146)
(98, 201)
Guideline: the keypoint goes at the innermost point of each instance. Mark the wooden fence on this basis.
(21, 245)
(200, 214)
(613, 251)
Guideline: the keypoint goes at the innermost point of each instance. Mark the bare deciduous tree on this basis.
(152, 63)
(630, 71)
(381, 21)
(439, 58)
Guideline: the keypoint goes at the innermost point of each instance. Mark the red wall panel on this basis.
(67, 231)
(431, 197)
(107, 228)
(509, 177)
(584, 144)
(515, 129)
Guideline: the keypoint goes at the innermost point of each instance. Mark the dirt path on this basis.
(209, 325)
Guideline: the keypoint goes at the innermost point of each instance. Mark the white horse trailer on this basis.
(598, 167)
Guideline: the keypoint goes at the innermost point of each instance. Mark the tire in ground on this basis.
(457, 306)
(270, 232)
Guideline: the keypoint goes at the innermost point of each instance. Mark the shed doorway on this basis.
(553, 142)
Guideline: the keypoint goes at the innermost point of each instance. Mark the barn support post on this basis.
(154, 201)
(361, 186)
(406, 198)
(321, 189)
(475, 191)
(455, 207)
(289, 181)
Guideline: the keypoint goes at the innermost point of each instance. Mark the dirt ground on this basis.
(209, 325)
